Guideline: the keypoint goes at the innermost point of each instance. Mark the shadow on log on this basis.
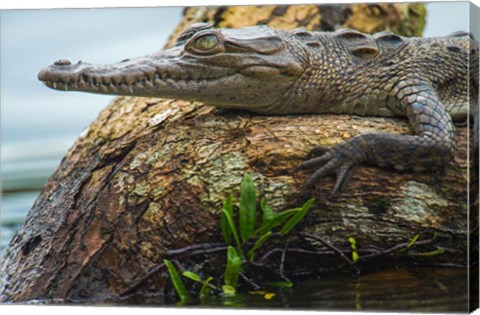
(149, 177)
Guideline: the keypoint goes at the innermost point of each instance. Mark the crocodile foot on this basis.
(329, 160)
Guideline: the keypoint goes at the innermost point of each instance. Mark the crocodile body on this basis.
(270, 71)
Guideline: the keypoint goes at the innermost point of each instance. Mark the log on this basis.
(148, 178)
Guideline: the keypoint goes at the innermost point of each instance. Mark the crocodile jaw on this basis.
(150, 76)
(166, 77)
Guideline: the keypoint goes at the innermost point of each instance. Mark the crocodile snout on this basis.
(50, 73)
(63, 75)
(45, 75)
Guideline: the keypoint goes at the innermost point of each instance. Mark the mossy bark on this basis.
(150, 176)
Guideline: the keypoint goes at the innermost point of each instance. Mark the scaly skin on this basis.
(287, 72)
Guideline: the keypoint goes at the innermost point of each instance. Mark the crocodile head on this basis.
(248, 68)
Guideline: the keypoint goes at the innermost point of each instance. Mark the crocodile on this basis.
(270, 71)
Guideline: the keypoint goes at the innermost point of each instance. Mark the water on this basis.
(15, 207)
(416, 289)
(403, 289)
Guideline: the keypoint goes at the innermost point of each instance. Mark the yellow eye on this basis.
(206, 42)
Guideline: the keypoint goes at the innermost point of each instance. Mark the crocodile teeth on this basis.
(150, 73)
(130, 88)
(123, 88)
(54, 84)
(138, 86)
(117, 79)
(112, 88)
(129, 79)
(65, 86)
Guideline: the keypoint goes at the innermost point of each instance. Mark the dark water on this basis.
(425, 290)
(413, 289)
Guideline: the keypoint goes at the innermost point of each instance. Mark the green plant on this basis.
(206, 286)
(353, 244)
(410, 244)
(247, 227)
(177, 281)
(232, 271)
(430, 254)
(248, 208)
(247, 231)
(179, 285)
(242, 232)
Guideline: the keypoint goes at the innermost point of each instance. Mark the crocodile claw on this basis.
(328, 160)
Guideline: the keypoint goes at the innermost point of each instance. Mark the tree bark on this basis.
(149, 176)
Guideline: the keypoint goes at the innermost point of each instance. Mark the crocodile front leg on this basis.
(431, 148)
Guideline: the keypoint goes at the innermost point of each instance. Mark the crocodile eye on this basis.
(206, 42)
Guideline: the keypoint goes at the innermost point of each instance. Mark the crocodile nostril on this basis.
(62, 62)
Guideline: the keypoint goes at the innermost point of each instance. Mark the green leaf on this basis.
(232, 270)
(413, 241)
(231, 224)
(297, 217)
(224, 225)
(228, 289)
(177, 281)
(261, 240)
(410, 244)
(354, 256)
(353, 243)
(192, 275)
(205, 290)
(267, 216)
(277, 220)
(429, 254)
(248, 208)
(283, 216)
(281, 284)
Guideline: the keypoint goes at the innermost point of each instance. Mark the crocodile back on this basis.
(384, 59)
